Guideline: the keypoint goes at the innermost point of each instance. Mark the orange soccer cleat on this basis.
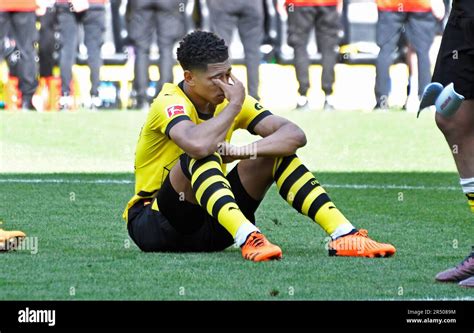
(258, 248)
(358, 244)
(9, 240)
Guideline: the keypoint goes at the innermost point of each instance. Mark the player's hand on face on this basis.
(234, 91)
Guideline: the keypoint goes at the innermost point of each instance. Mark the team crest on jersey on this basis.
(175, 110)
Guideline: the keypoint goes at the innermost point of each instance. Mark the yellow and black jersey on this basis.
(156, 153)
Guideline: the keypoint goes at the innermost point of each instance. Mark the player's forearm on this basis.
(213, 131)
(285, 141)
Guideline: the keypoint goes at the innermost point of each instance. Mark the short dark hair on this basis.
(200, 48)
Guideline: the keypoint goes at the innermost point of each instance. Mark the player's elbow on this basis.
(196, 153)
(200, 150)
(299, 137)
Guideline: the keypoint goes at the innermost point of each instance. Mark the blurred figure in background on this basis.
(413, 99)
(417, 19)
(47, 19)
(324, 17)
(146, 17)
(91, 14)
(48, 45)
(247, 16)
(119, 31)
(19, 17)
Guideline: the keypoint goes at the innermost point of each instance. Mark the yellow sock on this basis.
(214, 194)
(470, 201)
(301, 190)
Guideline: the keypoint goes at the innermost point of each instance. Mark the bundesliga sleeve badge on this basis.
(175, 110)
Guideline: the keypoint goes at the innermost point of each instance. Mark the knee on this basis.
(141, 48)
(445, 124)
(265, 162)
(451, 127)
(260, 166)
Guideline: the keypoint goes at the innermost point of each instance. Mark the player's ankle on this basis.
(243, 232)
(467, 185)
(343, 230)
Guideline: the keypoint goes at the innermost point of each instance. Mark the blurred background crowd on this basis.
(43, 41)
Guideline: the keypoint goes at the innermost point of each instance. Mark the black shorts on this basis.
(181, 226)
(455, 61)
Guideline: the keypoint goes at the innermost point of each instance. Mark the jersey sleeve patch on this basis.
(175, 110)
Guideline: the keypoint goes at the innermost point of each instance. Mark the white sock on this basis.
(467, 185)
(342, 230)
(244, 230)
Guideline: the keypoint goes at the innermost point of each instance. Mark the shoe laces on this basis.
(465, 261)
(362, 233)
(256, 240)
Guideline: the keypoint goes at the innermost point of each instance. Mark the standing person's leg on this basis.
(327, 36)
(117, 25)
(93, 21)
(455, 64)
(68, 29)
(459, 133)
(4, 29)
(24, 27)
(46, 43)
(141, 27)
(169, 23)
(389, 28)
(300, 22)
(223, 18)
(250, 26)
(420, 32)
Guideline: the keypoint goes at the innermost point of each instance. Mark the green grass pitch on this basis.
(65, 178)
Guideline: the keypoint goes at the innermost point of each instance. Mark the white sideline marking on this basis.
(393, 187)
(126, 182)
(66, 181)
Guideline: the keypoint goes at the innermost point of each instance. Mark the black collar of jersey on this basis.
(203, 116)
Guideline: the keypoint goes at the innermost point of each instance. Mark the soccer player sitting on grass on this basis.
(184, 199)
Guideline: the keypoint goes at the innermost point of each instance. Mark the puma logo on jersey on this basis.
(175, 110)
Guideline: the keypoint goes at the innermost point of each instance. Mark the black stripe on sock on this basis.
(470, 196)
(283, 165)
(220, 203)
(318, 203)
(302, 194)
(204, 160)
(205, 175)
(184, 161)
(291, 179)
(210, 191)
